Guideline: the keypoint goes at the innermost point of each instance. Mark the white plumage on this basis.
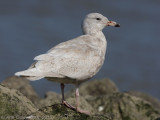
(79, 58)
(76, 60)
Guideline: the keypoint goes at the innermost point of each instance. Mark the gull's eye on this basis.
(98, 18)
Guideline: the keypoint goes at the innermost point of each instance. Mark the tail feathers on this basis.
(33, 74)
(32, 78)
(30, 74)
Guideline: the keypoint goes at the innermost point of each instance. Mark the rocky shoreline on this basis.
(19, 101)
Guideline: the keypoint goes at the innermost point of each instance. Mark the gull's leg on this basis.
(77, 103)
(77, 98)
(63, 100)
(62, 90)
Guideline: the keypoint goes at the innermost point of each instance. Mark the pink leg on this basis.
(77, 103)
(63, 100)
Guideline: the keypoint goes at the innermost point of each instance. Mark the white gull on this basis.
(73, 61)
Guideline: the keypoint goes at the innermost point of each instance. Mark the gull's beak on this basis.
(112, 23)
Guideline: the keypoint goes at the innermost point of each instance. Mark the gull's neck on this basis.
(99, 40)
(97, 34)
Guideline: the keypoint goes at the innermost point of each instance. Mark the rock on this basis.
(83, 104)
(50, 99)
(14, 104)
(95, 88)
(22, 85)
(115, 106)
(98, 87)
(89, 89)
(60, 112)
(100, 97)
(155, 102)
(123, 106)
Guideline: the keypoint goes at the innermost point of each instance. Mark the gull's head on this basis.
(95, 22)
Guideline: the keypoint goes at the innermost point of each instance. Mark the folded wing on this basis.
(74, 59)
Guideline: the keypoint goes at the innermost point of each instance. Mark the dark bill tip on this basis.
(117, 25)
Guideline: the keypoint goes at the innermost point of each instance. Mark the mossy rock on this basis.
(13, 103)
(95, 88)
(50, 99)
(116, 106)
(60, 112)
(124, 107)
(98, 87)
(22, 85)
(155, 102)
(103, 103)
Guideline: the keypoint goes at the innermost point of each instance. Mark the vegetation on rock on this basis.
(105, 103)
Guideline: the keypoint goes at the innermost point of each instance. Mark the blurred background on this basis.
(29, 28)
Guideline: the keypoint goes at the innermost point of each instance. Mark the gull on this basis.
(74, 61)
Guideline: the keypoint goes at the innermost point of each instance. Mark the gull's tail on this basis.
(31, 74)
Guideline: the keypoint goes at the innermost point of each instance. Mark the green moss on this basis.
(13, 104)
(6, 108)
(60, 112)
(126, 118)
(138, 107)
(147, 106)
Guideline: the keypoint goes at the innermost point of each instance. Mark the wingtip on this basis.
(17, 74)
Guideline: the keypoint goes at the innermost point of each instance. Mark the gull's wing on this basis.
(76, 59)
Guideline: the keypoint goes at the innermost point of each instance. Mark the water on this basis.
(29, 28)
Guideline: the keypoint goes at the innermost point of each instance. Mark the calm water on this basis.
(29, 28)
